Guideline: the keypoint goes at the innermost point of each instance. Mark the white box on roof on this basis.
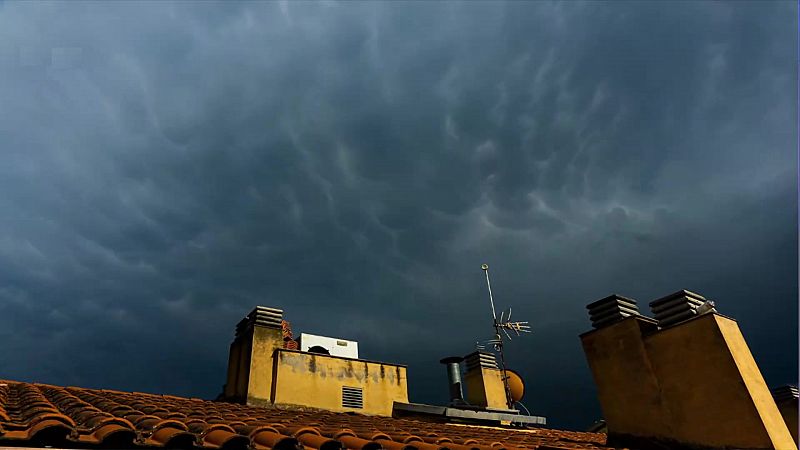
(333, 346)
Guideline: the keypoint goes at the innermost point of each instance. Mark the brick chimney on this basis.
(250, 360)
(686, 380)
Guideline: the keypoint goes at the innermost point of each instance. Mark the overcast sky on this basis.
(166, 167)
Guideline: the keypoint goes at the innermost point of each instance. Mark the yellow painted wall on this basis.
(756, 385)
(473, 385)
(705, 370)
(315, 380)
(259, 384)
(485, 387)
(695, 383)
(626, 384)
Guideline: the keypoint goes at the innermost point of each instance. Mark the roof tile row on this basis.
(52, 415)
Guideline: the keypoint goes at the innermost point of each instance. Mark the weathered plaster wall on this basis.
(485, 387)
(316, 380)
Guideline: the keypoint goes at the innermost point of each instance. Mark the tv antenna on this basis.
(504, 325)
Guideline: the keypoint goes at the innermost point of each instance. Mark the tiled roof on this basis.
(40, 414)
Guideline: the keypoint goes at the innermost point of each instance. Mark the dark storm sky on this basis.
(166, 167)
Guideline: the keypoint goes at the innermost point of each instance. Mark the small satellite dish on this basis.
(516, 385)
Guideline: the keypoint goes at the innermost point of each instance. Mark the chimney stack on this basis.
(484, 381)
(687, 380)
(250, 360)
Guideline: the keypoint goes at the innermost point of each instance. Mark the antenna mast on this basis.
(485, 268)
(497, 342)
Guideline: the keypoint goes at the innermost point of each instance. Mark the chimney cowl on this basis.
(611, 309)
(451, 360)
(478, 359)
(261, 316)
(676, 307)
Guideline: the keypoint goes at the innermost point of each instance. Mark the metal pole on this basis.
(509, 401)
(485, 268)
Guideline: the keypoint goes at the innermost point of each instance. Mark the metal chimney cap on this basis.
(611, 299)
(451, 360)
(675, 295)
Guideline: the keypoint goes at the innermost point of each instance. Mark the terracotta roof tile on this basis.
(39, 414)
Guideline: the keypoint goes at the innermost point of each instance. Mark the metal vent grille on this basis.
(352, 397)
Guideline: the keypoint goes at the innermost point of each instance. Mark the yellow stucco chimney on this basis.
(687, 380)
(483, 381)
(251, 356)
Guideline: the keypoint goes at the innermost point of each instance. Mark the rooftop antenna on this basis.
(505, 325)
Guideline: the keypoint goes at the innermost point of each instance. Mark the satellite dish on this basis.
(516, 385)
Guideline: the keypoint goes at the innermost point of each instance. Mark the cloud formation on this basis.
(168, 166)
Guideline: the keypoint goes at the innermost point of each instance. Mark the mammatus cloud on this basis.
(166, 168)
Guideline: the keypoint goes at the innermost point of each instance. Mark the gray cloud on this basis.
(166, 168)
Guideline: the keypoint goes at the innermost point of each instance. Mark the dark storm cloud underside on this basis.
(167, 167)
